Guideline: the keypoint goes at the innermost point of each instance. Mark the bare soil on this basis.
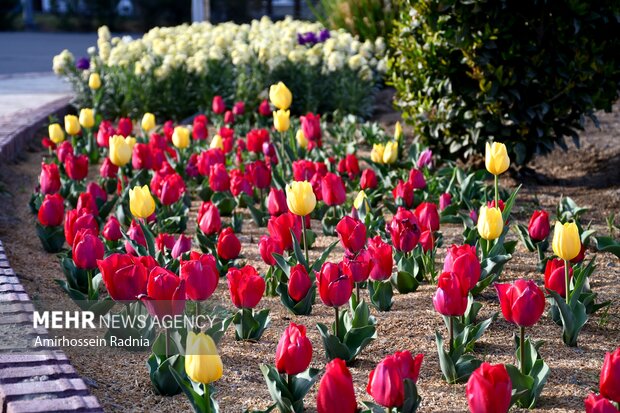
(590, 175)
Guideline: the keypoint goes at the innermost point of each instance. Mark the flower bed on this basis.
(175, 71)
(311, 177)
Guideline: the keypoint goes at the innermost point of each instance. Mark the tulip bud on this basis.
(425, 159)
(281, 120)
(352, 234)
(217, 105)
(300, 198)
(385, 383)
(202, 363)
(165, 293)
(335, 288)
(299, 283)
(245, 286)
(427, 215)
(280, 96)
(398, 131)
(381, 259)
(489, 389)
(368, 179)
(332, 189)
(124, 276)
(416, 177)
(538, 228)
(311, 128)
(72, 125)
(266, 247)
(201, 276)
(336, 392)
(180, 137)
(87, 118)
(209, 219)
(294, 351)
(217, 142)
(445, 200)
(219, 180)
(610, 376)
(228, 245)
(141, 202)
(376, 155)
(404, 230)
(403, 194)
(87, 249)
(555, 276)
(302, 141)
(390, 153)
(566, 241)
(450, 299)
(361, 201)
(112, 229)
(490, 223)
(522, 302)
(463, 261)
(51, 210)
(496, 158)
(357, 268)
(120, 150)
(280, 228)
(181, 246)
(595, 403)
(49, 180)
(94, 81)
(148, 121)
(264, 109)
(56, 134)
(76, 166)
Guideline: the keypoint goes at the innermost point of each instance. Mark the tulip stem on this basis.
(451, 328)
(567, 280)
(336, 325)
(207, 397)
(166, 336)
(90, 284)
(303, 229)
(357, 291)
(496, 191)
(522, 349)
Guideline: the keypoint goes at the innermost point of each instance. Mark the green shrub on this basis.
(525, 72)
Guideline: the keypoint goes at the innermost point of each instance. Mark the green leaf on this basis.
(608, 244)
(573, 319)
(323, 257)
(448, 369)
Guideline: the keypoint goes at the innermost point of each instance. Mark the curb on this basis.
(19, 128)
(33, 380)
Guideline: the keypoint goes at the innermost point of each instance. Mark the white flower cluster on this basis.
(191, 47)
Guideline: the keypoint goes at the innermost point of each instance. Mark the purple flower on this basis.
(83, 63)
(310, 38)
(324, 35)
(425, 159)
(301, 39)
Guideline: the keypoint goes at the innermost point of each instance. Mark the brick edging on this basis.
(21, 127)
(31, 380)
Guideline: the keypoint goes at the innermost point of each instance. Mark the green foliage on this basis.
(368, 19)
(525, 73)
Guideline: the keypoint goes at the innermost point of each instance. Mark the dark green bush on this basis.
(525, 72)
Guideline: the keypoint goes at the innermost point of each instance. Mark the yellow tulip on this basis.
(148, 121)
(361, 200)
(566, 241)
(376, 155)
(496, 158)
(120, 149)
(94, 81)
(202, 363)
(72, 124)
(490, 223)
(302, 141)
(56, 133)
(391, 152)
(281, 120)
(398, 131)
(217, 142)
(141, 202)
(280, 96)
(87, 118)
(180, 137)
(300, 198)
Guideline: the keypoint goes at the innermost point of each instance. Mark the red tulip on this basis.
(404, 230)
(299, 283)
(381, 259)
(239, 108)
(303, 170)
(349, 165)
(97, 192)
(368, 179)
(445, 200)
(240, 183)
(63, 151)
(165, 294)
(49, 178)
(229, 117)
(311, 127)
(450, 299)
(181, 246)
(264, 109)
(416, 178)
(266, 247)
(219, 181)
(427, 215)
(164, 241)
(352, 233)
(463, 261)
(489, 389)
(245, 286)
(112, 229)
(125, 127)
(403, 193)
(334, 286)
(555, 277)
(522, 302)
(385, 383)
(595, 403)
(332, 190)
(141, 156)
(280, 229)
(539, 226)
(172, 188)
(124, 276)
(610, 376)
(409, 365)
(336, 393)
(76, 166)
(210, 158)
(200, 275)
(228, 245)
(87, 249)
(105, 131)
(199, 129)
(87, 201)
(427, 241)
(76, 220)
(218, 106)
(256, 138)
(276, 202)
(260, 174)
(135, 234)
(491, 204)
(168, 130)
(209, 219)
(358, 267)
(294, 351)
(108, 169)
(51, 210)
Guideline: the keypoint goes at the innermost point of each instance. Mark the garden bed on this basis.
(119, 378)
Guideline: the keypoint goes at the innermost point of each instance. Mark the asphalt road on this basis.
(31, 52)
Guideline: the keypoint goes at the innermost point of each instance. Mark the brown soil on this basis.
(119, 378)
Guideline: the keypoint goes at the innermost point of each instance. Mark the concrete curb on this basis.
(33, 380)
(17, 129)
